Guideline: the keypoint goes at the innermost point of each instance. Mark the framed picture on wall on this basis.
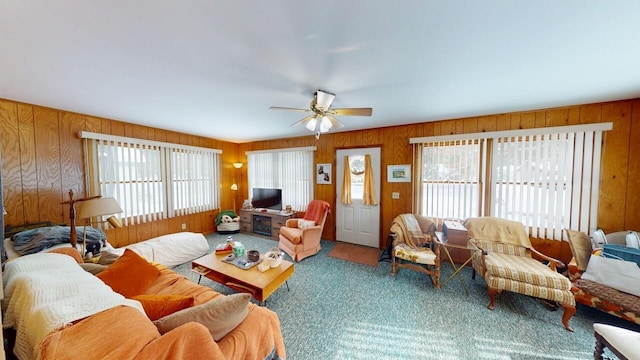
(323, 174)
(398, 173)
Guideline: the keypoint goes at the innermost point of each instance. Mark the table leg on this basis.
(456, 270)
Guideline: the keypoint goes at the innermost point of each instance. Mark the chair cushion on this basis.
(420, 256)
(524, 269)
(292, 234)
(623, 340)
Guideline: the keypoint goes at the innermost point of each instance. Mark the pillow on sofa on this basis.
(130, 275)
(303, 224)
(108, 258)
(581, 247)
(220, 315)
(69, 251)
(92, 268)
(160, 305)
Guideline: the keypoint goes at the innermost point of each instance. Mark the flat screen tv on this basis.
(264, 198)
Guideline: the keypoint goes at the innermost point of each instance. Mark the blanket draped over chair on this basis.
(413, 230)
(414, 242)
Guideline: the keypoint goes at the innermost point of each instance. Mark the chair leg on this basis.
(569, 311)
(473, 274)
(492, 297)
(599, 349)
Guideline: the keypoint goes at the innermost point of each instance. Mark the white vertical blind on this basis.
(547, 179)
(288, 169)
(152, 180)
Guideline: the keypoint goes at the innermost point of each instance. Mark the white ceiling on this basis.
(213, 68)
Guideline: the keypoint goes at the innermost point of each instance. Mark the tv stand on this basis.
(263, 222)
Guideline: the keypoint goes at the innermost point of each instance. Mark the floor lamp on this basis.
(72, 215)
(97, 207)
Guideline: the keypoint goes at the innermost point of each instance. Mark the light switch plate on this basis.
(395, 195)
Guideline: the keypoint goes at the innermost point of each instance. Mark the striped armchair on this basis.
(505, 263)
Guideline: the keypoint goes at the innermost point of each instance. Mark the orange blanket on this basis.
(125, 333)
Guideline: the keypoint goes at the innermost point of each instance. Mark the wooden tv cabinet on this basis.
(263, 223)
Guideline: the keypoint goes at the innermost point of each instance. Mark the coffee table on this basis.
(259, 284)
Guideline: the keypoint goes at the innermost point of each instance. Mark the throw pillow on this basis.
(157, 305)
(580, 245)
(92, 268)
(108, 258)
(69, 251)
(130, 275)
(220, 315)
(632, 240)
(303, 224)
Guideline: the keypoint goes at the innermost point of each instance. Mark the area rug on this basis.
(355, 253)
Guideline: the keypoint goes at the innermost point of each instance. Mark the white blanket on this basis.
(46, 292)
(169, 250)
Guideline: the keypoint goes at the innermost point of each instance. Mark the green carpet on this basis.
(344, 310)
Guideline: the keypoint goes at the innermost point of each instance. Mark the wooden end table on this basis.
(259, 284)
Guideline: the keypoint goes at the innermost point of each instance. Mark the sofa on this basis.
(60, 311)
(598, 294)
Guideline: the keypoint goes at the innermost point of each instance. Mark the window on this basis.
(152, 180)
(544, 178)
(288, 169)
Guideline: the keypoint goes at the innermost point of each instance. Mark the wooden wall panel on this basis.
(620, 181)
(71, 156)
(50, 191)
(632, 211)
(11, 176)
(28, 163)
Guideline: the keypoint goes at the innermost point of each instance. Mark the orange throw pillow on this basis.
(130, 275)
(69, 251)
(157, 306)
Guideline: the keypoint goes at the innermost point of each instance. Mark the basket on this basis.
(274, 257)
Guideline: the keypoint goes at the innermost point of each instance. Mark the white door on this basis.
(358, 223)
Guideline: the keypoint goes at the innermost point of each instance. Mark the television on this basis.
(264, 198)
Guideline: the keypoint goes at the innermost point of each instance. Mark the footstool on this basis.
(624, 343)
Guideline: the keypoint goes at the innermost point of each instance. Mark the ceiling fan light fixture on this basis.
(311, 124)
(325, 124)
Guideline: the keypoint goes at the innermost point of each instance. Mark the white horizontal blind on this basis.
(290, 170)
(152, 180)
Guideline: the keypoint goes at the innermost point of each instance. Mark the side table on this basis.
(456, 269)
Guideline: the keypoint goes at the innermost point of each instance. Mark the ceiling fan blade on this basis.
(334, 122)
(353, 111)
(324, 100)
(303, 120)
(288, 108)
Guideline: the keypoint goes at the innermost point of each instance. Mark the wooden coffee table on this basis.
(259, 284)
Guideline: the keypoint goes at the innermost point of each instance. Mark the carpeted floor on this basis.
(337, 309)
(355, 253)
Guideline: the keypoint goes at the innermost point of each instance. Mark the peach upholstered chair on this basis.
(300, 238)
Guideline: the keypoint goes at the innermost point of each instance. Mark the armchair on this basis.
(505, 263)
(300, 238)
(415, 246)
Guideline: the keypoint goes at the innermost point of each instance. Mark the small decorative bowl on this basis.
(253, 255)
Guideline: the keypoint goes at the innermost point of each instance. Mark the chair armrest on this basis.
(555, 263)
(291, 223)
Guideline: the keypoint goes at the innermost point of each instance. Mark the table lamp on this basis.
(94, 208)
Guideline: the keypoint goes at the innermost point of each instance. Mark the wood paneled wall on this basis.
(43, 158)
(619, 203)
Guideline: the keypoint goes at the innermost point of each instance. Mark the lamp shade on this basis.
(234, 186)
(97, 207)
(237, 165)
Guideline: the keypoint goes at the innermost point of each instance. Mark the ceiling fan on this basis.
(322, 118)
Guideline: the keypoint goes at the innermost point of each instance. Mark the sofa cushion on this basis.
(524, 269)
(68, 251)
(220, 315)
(160, 305)
(130, 275)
